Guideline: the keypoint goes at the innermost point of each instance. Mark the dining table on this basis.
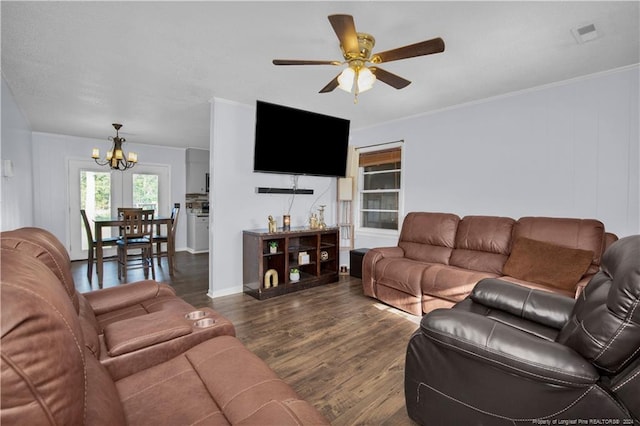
(99, 224)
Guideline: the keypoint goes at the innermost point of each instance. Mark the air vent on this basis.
(585, 33)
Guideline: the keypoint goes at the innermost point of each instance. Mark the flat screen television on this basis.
(298, 142)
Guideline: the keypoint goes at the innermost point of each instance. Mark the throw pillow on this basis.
(545, 263)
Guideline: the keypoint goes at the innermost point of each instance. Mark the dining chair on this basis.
(136, 235)
(159, 239)
(91, 243)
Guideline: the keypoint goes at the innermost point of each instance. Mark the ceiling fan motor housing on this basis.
(365, 46)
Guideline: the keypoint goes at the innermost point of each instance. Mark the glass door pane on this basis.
(95, 199)
(145, 191)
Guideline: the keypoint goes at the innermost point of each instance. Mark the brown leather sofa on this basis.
(100, 358)
(512, 355)
(440, 257)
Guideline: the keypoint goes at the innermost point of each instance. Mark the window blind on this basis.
(375, 158)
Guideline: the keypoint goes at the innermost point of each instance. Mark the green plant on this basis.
(295, 271)
(273, 244)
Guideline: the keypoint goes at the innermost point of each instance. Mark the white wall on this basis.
(567, 150)
(16, 192)
(51, 154)
(236, 206)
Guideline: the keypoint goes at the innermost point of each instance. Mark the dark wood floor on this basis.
(341, 351)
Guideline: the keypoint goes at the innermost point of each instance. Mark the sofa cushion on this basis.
(401, 274)
(450, 282)
(547, 263)
(428, 237)
(219, 382)
(482, 243)
(585, 234)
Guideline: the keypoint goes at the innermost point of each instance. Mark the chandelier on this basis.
(115, 157)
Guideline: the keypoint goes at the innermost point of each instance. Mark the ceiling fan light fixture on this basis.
(365, 79)
(345, 79)
(356, 49)
(356, 79)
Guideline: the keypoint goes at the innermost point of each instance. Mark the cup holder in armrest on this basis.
(205, 322)
(196, 315)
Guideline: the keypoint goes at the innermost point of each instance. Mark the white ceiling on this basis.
(76, 67)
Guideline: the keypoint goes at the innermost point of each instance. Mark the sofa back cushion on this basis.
(46, 247)
(48, 376)
(605, 323)
(429, 237)
(482, 243)
(584, 234)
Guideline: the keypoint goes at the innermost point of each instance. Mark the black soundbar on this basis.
(262, 190)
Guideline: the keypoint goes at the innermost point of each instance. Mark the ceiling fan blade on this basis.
(427, 47)
(345, 29)
(329, 87)
(303, 62)
(390, 78)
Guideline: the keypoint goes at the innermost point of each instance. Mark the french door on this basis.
(100, 191)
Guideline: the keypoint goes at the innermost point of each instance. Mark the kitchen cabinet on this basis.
(198, 232)
(197, 169)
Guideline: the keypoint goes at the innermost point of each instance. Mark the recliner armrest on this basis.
(550, 309)
(382, 252)
(146, 330)
(507, 348)
(112, 298)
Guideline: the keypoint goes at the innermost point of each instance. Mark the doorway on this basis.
(100, 192)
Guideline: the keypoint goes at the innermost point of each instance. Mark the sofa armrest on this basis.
(507, 348)
(369, 261)
(146, 330)
(543, 307)
(112, 298)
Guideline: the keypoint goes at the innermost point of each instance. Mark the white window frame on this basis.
(360, 190)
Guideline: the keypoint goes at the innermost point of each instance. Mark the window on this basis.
(380, 193)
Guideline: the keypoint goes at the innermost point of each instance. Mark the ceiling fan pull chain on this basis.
(356, 88)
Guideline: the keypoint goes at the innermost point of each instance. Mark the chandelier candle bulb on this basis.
(96, 153)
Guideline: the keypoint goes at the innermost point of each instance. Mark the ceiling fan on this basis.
(357, 52)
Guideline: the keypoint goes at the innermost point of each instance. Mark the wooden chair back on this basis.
(137, 223)
(175, 212)
(87, 229)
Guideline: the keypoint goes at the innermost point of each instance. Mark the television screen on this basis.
(293, 141)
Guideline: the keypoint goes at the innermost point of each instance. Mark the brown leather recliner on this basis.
(511, 355)
(127, 328)
(51, 377)
(100, 307)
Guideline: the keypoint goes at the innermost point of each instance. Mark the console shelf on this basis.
(321, 245)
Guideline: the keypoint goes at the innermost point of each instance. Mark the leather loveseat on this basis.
(512, 355)
(440, 257)
(126, 355)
